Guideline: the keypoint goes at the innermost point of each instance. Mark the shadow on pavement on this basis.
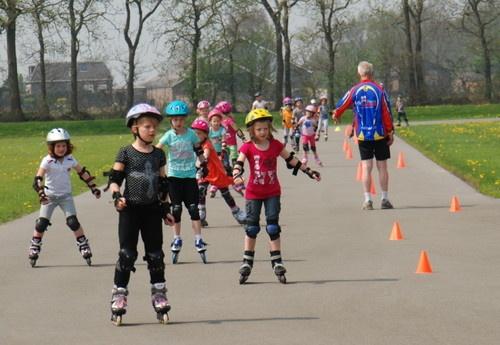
(327, 281)
(408, 207)
(215, 322)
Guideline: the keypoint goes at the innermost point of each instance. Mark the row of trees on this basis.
(400, 38)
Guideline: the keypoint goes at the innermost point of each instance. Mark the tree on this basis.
(413, 18)
(332, 27)
(189, 19)
(478, 16)
(133, 42)
(12, 10)
(81, 14)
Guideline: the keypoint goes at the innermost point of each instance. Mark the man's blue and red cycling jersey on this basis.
(372, 111)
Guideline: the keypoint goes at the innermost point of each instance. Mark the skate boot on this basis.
(212, 191)
(326, 137)
(160, 301)
(83, 246)
(278, 267)
(176, 247)
(34, 250)
(304, 161)
(203, 215)
(239, 215)
(201, 247)
(246, 266)
(319, 162)
(118, 304)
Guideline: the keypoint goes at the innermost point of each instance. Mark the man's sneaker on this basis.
(368, 205)
(386, 204)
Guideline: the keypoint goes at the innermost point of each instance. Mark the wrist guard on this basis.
(114, 176)
(165, 209)
(311, 173)
(86, 177)
(238, 170)
(241, 135)
(295, 167)
(116, 196)
(40, 189)
(163, 187)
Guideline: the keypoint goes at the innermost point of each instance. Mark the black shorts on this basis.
(183, 190)
(377, 148)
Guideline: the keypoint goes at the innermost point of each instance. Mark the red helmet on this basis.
(214, 112)
(203, 104)
(200, 124)
(311, 108)
(224, 107)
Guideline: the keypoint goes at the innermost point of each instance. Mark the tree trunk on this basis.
(488, 88)
(331, 71)
(286, 40)
(16, 112)
(74, 57)
(410, 61)
(232, 88)
(278, 97)
(44, 110)
(130, 78)
(419, 70)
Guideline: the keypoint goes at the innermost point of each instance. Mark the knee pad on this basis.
(305, 147)
(177, 212)
(155, 261)
(126, 259)
(202, 190)
(193, 212)
(41, 224)
(313, 148)
(73, 223)
(273, 230)
(252, 230)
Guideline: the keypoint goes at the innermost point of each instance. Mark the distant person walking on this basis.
(400, 107)
(259, 103)
(373, 128)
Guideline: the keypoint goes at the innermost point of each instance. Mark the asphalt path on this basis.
(347, 283)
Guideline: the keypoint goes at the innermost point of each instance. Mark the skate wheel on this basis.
(175, 257)
(243, 279)
(163, 318)
(282, 279)
(89, 261)
(203, 257)
(117, 320)
(33, 262)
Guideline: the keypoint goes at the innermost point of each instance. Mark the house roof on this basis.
(60, 71)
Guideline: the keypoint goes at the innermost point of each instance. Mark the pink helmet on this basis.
(214, 112)
(203, 104)
(200, 124)
(224, 107)
(311, 108)
(287, 101)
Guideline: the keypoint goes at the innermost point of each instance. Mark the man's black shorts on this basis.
(377, 148)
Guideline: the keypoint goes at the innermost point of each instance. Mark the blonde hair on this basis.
(251, 129)
(365, 69)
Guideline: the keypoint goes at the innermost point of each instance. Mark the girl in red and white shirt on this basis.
(263, 188)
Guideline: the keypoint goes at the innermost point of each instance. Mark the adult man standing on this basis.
(259, 103)
(372, 126)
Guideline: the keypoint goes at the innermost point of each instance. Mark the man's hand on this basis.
(390, 139)
(169, 220)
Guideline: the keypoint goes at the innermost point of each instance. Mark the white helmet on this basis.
(57, 134)
(141, 109)
(313, 101)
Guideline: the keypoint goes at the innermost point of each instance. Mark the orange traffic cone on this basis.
(424, 265)
(396, 233)
(348, 152)
(372, 187)
(401, 161)
(344, 147)
(455, 205)
(359, 172)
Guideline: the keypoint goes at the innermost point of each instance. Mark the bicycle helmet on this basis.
(287, 101)
(214, 112)
(57, 134)
(257, 114)
(200, 124)
(176, 108)
(224, 107)
(311, 108)
(203, 104)
(141, 109)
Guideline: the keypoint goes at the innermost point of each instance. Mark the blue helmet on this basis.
(177, 108)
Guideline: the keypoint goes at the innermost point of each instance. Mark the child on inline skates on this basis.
(306, 125)
(298, 113)
(324, 113)
(202, 110)
(182, 144)
(217, 136)
(216, 176)
(232, 131)
(263, 187)
(56, 168)
(287, 117)
(140, 208)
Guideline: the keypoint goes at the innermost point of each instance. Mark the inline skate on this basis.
(176, 247)
(201, 247)
(118, 304)
(160, 302)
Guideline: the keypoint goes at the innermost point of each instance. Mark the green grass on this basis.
(446, 112)
(470, 151)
